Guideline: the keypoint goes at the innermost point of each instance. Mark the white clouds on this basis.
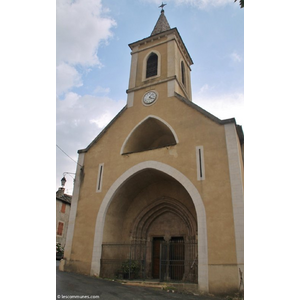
(204, 3)
(80, 28)
(101, 90)
(66, 78)
(79, 120)
(204, 88)
(223, 106)
(235, 57)
(200, 4)
(103, 120)
(83, 116)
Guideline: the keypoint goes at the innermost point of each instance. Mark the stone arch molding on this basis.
(158, 207)
(154, 133)
(199, 207)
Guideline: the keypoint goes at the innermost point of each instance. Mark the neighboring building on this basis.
(162, 184)
(63, 207)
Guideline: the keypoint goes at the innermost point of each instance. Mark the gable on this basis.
(239, 128)
(161, 134)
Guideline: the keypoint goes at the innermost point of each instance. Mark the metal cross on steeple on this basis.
(162, 6)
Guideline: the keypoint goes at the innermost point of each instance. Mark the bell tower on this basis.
(159, 62)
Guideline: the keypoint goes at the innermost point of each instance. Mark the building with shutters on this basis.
(63, 207)
(159, 192)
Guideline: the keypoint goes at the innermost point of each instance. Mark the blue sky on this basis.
(89, 48)
(93, 62)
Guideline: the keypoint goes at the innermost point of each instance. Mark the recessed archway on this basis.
(162, 205)
(191, 190)
(150, 133)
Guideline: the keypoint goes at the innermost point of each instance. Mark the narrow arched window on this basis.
(152, 65)
(182, 73)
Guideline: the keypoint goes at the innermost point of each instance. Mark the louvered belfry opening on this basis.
(152, 65)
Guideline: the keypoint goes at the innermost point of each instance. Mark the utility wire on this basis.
(68, 155)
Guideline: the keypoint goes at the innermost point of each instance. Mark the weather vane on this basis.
(162, 6)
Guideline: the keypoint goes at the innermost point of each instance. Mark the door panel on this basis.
(156, 256)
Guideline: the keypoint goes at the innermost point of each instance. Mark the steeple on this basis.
(162, 23)
(160, 65)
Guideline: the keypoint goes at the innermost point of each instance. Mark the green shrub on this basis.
(59, 248)
(130, 265)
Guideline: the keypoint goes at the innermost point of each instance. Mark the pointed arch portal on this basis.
(151, 133)
(190, 189)
(157, 208)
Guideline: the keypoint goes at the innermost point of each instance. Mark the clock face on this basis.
(149, 97)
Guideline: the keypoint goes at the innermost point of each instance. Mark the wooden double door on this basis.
(168, 258)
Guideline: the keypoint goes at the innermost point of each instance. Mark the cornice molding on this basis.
(158, 36)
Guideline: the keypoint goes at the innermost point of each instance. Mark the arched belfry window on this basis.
(152, 63)
(182, 73)
(149, 134)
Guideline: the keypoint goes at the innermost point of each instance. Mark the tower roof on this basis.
(162, 24)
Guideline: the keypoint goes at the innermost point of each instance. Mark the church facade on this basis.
(159, 192)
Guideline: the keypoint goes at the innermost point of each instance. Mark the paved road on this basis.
(68, 284)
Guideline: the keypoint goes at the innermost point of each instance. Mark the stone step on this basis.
(145, 283)
(152, 284)
(190, 287)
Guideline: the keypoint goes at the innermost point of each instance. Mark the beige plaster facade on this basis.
(167, 169)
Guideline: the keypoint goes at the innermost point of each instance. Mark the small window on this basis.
(200, 163)
(152, 65)
(99, 180)
(63, 208)
(182, 73)
(60, 228)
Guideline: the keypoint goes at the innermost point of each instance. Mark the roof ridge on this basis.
(205, 112)
(103, 131)
(239, 128)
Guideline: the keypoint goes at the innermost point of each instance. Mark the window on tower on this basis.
(152, 65)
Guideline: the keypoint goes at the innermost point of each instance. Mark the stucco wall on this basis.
(192, 129)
